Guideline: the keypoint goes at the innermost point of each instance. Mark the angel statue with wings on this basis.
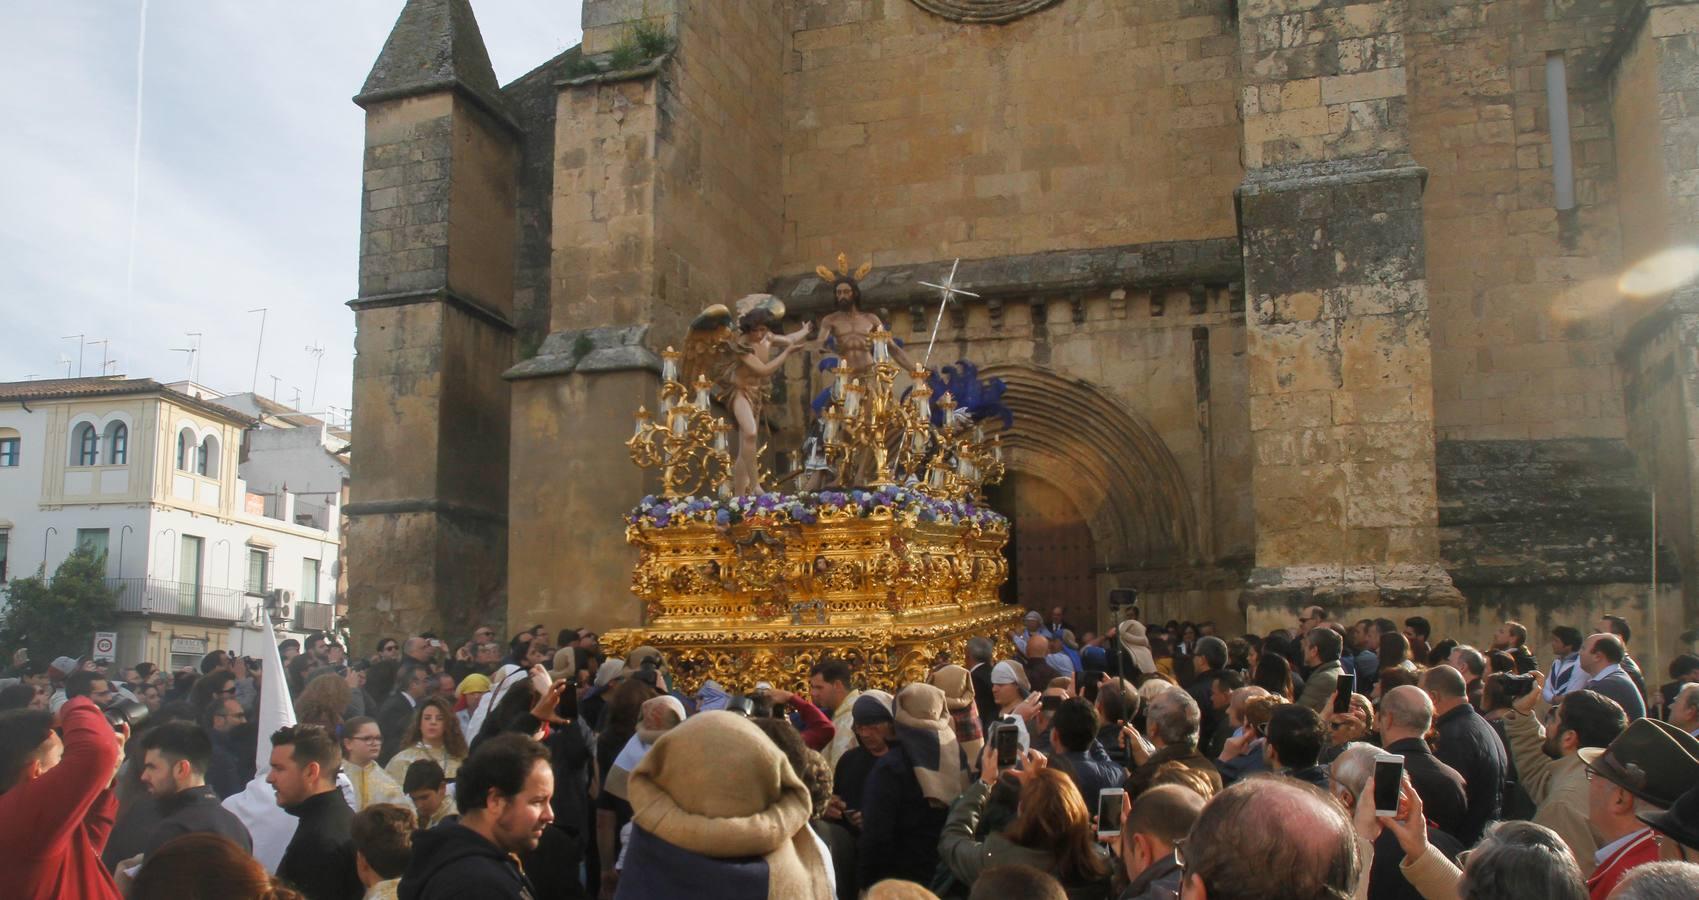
(739, 352)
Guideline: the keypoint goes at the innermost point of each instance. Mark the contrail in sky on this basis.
(136, 158)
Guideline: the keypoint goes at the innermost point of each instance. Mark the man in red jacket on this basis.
(56, 801)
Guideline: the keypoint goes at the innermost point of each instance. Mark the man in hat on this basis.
(875, 729)
(1645, 770)
(1679, 823)
(57, 671)
(1032, 624)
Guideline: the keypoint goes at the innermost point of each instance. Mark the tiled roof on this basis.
(109, 386)
(60, 388)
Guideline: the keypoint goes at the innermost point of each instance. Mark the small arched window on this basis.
(206, 457)
(117, 444)
(85, 445)
(185, 451)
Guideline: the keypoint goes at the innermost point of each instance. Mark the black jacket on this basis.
(393, 717)
(1316, 775)
(900, 828)
(193, 811)
(225, 771)
(1469, 744)
(319, 861)
(1209, 719)
(453, 862)
(980, 675)
(1387, 881)
(1439, 785)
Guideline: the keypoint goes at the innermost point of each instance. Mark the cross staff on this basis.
(947, 292)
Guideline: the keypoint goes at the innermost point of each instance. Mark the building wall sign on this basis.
(188, 645)
(983, 12)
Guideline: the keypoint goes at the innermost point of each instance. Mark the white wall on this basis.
(145, 538)
(298, 457)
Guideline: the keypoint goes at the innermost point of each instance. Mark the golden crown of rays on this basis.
(826, 274)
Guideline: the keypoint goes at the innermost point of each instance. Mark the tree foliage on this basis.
(59, 617)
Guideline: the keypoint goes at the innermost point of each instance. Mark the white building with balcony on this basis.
(152, 475)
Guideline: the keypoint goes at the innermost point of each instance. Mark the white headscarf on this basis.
(505, 677)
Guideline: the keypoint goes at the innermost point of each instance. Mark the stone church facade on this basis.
(1297, 300)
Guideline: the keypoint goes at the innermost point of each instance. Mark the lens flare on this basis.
(1661, 272)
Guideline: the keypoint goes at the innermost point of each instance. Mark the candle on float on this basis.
(852, 397)
(881, 346)
(997, 447)
(642, 420)
(829, 427)
(702, 386)
(669, 365)
(840, 380)
(923, 401)
(681, 420)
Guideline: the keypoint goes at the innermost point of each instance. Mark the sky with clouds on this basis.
(249, 187)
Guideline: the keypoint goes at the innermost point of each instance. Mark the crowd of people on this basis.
(1326, 760)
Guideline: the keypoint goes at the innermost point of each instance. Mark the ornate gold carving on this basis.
(748, 602)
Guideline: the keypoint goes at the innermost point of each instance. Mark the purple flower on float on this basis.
(723, 517)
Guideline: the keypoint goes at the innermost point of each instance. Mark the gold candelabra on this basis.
(685, 440)
(872, 438)
(962, 458)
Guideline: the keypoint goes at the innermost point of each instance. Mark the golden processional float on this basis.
(898, 563)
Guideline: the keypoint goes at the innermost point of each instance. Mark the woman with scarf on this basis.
(1052, 830)
(720, 813)
(957, 685)
(1137, 662)
(909, 792)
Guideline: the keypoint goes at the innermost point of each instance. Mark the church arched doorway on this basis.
(1096, 498)
(1051, 551)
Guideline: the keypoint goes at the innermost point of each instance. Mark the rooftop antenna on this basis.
(297, 403)
(254, 386)
(79, 339)
(195, 358)
(66, 362)
(191, 351)
(105, 345)
(317, 350)
(105, 365)
(274, 381)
